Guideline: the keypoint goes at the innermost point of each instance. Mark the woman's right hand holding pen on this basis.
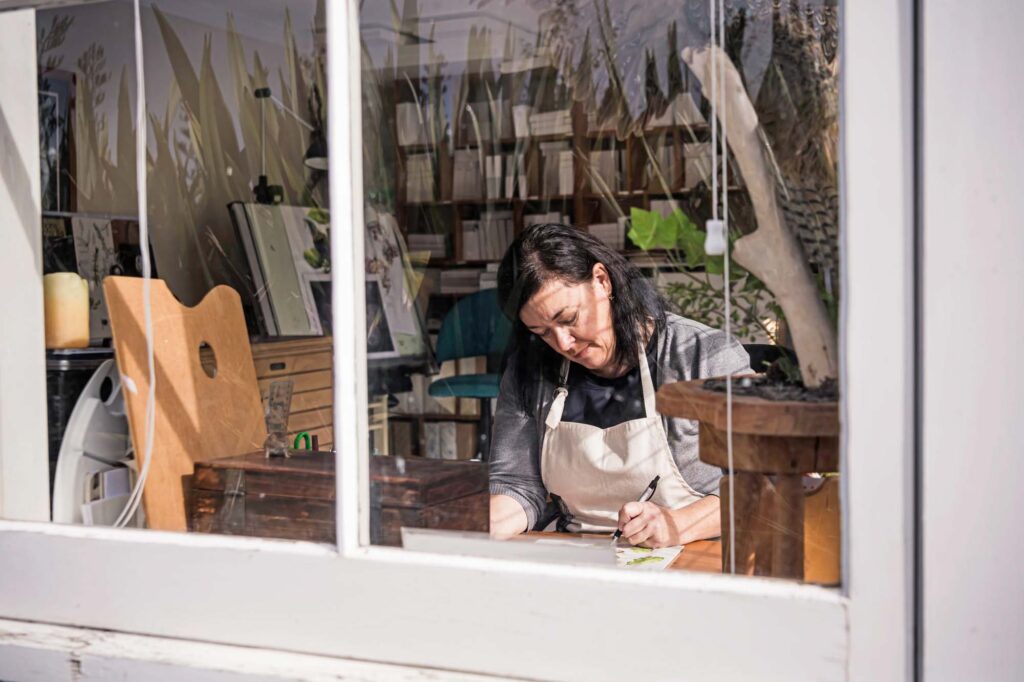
(649, 525)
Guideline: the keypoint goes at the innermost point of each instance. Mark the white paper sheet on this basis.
(643, 559)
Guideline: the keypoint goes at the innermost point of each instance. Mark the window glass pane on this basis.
(239, 242)
(539, 179)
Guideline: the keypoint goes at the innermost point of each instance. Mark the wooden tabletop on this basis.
(703, 555)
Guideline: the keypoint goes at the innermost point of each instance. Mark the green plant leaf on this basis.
(643, 224)
(689, 238)
(650, 231)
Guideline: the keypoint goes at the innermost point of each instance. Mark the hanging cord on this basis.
(140, 179)
(718, 110)
(728, 289)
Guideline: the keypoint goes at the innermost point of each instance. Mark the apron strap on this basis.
(648, 386)
(558, 403)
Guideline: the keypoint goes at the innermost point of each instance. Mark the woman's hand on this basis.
(648, 525)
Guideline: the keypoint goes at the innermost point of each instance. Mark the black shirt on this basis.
(602, 402)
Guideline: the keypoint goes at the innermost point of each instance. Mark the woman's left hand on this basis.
(648, 525)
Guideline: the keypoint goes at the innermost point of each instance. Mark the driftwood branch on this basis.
(771, 252)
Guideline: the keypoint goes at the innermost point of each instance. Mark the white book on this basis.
(609, 233)
(660, 170)
(565, 173)
(511, 174)
(466, 174)
(432, 440)
(419, 180)
(488, 280)
(664, 207)
(447, 442)
(522, 181)
(492, 176)
(521, 120)
(604, 170)
(471, 240)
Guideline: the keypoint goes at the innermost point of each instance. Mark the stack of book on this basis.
(460, 281)
(419, 178)
(604, 170)
(664, 207)
(697, 158)
(551, 165)
(449, 440)
(545, 218)
(612, 234)
(493, 176)
(515, 176)
(557, 122)
(496, 233)
(565, 173)
(434, 244)
(489, 277)
(487, 238)
(660, 169)
(466, 174)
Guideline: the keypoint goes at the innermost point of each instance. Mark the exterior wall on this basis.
(973, 328)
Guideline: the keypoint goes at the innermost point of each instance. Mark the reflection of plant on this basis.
(199, 164)
(699, 294)
(783, 57)
(103, 182)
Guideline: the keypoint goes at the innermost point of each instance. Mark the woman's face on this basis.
(576, 320)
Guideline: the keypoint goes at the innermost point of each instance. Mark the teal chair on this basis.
(475, 326)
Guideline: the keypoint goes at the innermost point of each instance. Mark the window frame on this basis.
(480, 614)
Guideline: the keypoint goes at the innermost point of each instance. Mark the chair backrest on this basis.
(474, 326)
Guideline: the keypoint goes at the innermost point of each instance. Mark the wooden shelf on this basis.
(434, 417)
(681, 128)
(451, 263)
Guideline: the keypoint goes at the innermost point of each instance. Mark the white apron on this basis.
(595, 471)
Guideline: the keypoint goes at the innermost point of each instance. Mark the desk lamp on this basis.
(315, 157)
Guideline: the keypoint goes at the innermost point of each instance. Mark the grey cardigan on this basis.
(686, 350)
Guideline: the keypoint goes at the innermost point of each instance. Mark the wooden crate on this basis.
(294, 498)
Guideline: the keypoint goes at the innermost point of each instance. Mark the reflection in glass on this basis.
(479, 124)
(257, 272)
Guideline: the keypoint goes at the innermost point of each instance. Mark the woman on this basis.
(575, 417)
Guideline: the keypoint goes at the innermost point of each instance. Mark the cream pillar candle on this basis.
(66, 301)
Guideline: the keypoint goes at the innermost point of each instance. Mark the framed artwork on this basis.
(56, 145)
(288, 250)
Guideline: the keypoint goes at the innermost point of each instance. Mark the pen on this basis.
(646, 495)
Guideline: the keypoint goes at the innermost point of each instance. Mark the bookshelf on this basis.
(550, 162)
(609, 177)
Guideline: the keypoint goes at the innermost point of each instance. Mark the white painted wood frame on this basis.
(972, 320)
(24, 462)
(527, 620)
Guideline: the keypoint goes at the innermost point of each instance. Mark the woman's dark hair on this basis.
(550, 251)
